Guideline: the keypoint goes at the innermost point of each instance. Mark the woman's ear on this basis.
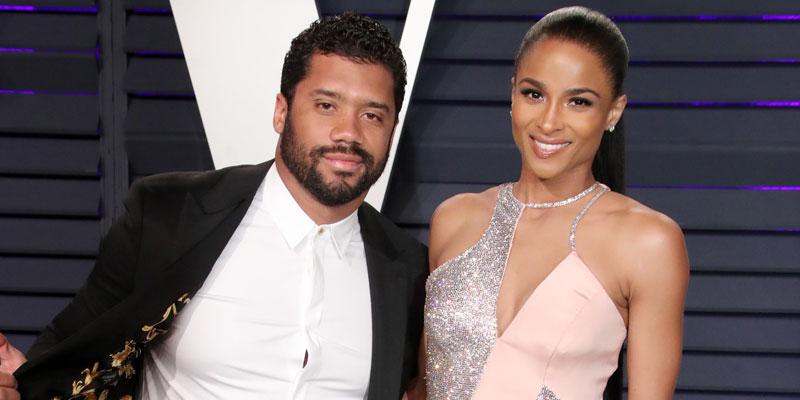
(616, 111)
(512, 89)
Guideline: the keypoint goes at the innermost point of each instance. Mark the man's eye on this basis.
(373, 117)
(325, 106)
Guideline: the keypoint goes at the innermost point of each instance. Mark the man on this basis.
(298, 290)
(10, 360)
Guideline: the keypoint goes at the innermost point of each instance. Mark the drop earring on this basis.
(610, 128)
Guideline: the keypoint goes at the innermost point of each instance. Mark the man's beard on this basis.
(304, 165)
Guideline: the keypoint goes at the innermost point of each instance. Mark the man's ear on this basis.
(279, 116)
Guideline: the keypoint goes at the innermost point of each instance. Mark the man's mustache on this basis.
(342, 148)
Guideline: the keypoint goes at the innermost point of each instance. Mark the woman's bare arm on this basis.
(658, 280)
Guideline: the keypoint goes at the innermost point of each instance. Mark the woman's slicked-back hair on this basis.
(587, 28)
(598, 34)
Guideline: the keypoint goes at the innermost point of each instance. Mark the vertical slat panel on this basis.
(719, 112)
(50, 158)
(712, 132)
(161, 123)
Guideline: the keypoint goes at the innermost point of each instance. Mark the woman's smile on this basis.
(547, 149)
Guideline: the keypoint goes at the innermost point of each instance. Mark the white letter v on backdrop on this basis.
(234, 51)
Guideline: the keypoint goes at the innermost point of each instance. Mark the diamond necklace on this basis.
(564, 202)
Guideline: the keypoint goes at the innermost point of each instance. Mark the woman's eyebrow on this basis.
(582, 90)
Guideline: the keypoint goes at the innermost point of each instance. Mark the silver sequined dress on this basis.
(463, 350)
(460, 316)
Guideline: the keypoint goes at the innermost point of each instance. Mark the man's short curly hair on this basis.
(349, 35)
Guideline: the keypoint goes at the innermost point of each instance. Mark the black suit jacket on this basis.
(158, 254)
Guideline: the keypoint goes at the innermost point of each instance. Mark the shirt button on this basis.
(320, 231)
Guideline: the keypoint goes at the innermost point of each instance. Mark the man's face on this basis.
(336, 133)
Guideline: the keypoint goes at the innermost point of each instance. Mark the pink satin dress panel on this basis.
(563, 344)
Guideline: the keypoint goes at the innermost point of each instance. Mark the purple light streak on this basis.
(774, 188)
(17, 8)
(786, 188)
(719, 104)
(713, 62)
(639, 18)
(711, 18)
(3, 91)
(15, 50)
(79, 10)
(36, 92)
(777, 103)
(780, 17)
(32, 50)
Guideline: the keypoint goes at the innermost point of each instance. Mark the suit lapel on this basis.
(207, 222)
(208, 219)
(387, 285)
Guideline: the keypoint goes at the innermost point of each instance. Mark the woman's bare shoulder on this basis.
(459, 222)
(650, 241)
(642, 226)
(465, 206)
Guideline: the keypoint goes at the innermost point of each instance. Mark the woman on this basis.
(536, 284)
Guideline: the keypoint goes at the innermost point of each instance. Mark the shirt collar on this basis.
(294, 224)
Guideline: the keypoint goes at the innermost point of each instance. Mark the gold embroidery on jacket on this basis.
(122, 361)
(154, 331)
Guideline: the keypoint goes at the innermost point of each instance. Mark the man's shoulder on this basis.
(174, 181)
(181, 183)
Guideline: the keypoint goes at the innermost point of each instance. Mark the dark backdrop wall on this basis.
(96, 94)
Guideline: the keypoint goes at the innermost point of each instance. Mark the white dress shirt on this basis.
(283, 286)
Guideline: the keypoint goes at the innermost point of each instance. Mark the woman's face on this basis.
(562, 100)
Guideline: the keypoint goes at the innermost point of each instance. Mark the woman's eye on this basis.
(580, 102)
(531, 93)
